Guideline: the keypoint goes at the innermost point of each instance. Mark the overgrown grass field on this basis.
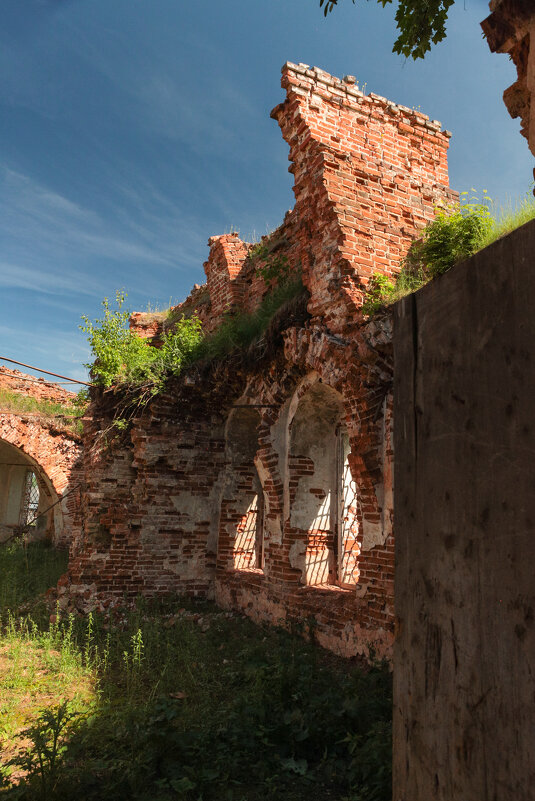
(178, 700)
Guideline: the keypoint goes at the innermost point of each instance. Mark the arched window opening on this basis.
(29, 500)
(241, 532)
(27, 497)
(323, 525)
(347, 545)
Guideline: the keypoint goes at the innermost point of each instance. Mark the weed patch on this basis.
(67, 416)
(454, 235)
(185, 701)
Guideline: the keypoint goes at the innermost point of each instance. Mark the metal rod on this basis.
(35, 380)
(32, 521)
(57, 375)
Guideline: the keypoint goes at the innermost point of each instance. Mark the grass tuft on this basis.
(177, 699)
(68, 416)
(240, 331)
(508, 218)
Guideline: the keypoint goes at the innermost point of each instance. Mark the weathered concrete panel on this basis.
(464, 659)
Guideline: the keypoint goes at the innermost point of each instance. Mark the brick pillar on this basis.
(227, 255)
(368, 175)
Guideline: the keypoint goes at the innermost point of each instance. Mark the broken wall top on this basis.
(38, 388)
(368, 176)
(510, 28)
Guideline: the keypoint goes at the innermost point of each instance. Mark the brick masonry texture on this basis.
(52, 452)
(510, 29)
(38, 388)
(265, 480)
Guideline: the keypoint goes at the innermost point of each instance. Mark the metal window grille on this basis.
(30, 499)
(249, 547)
(347, 522)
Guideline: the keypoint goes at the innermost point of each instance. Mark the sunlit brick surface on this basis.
(267, 483)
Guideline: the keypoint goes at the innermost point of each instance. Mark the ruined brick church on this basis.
(264, 481)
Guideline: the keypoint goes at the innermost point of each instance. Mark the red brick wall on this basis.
(368, 175)
(54, 455)
(22, 384)
(164, 507)
(369, 171)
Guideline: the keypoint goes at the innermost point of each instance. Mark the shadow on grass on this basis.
(27, 572)
(195, 703)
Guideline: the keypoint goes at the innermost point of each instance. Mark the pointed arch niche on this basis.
(323, 523)
(241, 530)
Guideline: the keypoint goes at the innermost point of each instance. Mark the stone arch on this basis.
(30, 445)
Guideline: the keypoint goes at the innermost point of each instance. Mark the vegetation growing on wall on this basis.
(454, 235)
(121, 356)
(67, 416)
(239, 331)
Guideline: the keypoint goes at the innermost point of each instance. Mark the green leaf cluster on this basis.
(275, 270)
(421, 23)
(121, 356)
(455, 234)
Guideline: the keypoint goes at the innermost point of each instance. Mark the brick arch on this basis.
(53, 454)
(240, 542)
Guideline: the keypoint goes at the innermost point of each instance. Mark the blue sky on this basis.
(132, 130)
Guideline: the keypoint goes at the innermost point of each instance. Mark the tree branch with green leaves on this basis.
(421, 23)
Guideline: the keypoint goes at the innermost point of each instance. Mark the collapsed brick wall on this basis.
(36, 442)
(368, 176)
(265, 480)
(510, 28)
(38, 388)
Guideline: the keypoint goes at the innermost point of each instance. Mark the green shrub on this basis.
(455, 234)
(180, 344)
(378, 290)
(121, 356)
(242, 329)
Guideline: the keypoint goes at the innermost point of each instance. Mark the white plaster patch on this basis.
(372, 534)
(273, 529)
(296, 555)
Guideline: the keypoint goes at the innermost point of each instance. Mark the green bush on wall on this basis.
(456, 233)
(121, 356)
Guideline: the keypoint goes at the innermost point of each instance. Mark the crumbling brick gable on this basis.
(265, 479)
(227, 256)
(368, 175)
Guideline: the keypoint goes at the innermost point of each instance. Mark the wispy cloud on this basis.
(13, 276)
(61, 225)
(45, 348)
(51, 244)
